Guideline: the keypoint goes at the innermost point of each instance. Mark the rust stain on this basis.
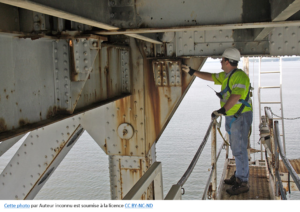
(41, 116)
(105, 146)
(7, 96)
(4, 90)
(3, 126)
(23, 122)
(121, 179)
(50, 112)
(153, 113)
(20, 110)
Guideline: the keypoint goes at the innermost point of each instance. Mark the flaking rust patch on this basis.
(23, 122)
(3, 126)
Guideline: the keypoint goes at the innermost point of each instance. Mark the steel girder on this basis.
(123, 95)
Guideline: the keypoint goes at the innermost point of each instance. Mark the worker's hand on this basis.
(219, 112)
(187, 69)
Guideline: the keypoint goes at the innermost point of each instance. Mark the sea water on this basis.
(84, 174)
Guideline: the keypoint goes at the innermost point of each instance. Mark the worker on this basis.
(237, 109)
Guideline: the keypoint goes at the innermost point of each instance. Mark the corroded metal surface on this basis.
(162, 101)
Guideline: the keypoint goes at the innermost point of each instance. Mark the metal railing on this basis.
(275, 149)
(175, 191)
(154, 173)
(211, 174)
(286, 162)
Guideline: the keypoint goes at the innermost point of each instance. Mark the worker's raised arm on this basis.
(200, 74)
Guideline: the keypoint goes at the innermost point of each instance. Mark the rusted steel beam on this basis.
(59, 117)
(66, 36)
(201, 27)
(31, 5)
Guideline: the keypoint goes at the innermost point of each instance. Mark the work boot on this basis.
(238, 188)
(231, 180)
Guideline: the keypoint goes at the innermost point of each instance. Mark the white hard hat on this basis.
(232, 53)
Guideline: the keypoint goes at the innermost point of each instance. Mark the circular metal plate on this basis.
(125, 131)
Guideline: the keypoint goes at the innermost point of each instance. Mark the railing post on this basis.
(214, 158)
(269, 117)
(276, 163)
(158, 186)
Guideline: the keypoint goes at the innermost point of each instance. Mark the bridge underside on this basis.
(113, 68)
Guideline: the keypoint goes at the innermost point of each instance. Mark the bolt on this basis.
(95, 44)
(125, 132)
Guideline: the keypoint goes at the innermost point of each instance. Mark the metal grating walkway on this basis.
(295, 164)
(258, 183)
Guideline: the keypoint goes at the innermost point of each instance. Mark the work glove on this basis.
(219, 112)
(188, 69)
